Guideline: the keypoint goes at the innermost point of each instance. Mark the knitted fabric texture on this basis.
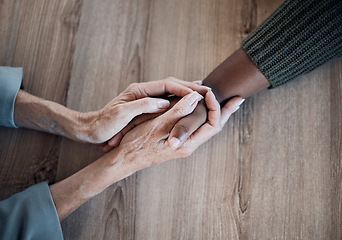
(297, 38)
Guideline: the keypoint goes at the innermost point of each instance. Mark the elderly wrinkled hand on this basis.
(137, 99)
(147, 144)
(198, 116)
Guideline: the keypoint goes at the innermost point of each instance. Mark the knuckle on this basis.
(170, 78)
(132, 86)
(164, 129)
(149, 104)
(146, 101)
(178, 110)
(182, 128)
(118, 109)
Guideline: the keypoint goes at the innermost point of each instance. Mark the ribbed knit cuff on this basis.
(298, 37)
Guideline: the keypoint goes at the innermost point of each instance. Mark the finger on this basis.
(107, 148)
(187, 125)
(115, 141)
(182, 108)
(125, 112)
(136, 121)
(214, 123)
(196, 85)
(166, 86)
(179, 110)
(229, 108)
(198, 82)
(214, 111)
(143, 105)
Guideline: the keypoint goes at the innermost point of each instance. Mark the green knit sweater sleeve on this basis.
(296, 38)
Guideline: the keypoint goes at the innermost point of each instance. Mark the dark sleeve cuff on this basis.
(10, 82)
(296, 38)
(30, 214)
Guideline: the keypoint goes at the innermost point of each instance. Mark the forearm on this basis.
(236, 76)
(39, 114)
(72, 192)
(313, 36)
(142, 147)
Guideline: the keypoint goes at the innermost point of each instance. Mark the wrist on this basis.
(82, 128)
(70, 193)
(236, 76)
(39, 114)
(74, 125)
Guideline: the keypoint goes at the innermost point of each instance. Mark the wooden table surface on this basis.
(274, 172)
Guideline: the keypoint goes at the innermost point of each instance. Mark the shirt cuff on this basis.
(30, 214)
(10, 81)
(295, 39)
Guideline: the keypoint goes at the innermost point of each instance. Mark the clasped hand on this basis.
(147, 144)
(137, 99)
(140, 140)
(124, 124)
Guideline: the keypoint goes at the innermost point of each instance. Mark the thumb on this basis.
(130, 110)
(229, 108)
(182, 108)
(145, 105)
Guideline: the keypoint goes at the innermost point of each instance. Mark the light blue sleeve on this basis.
(10, 81)
(30, 214)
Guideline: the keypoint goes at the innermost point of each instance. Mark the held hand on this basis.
(143, 146)
(189, 124)
(146, 144)
(102, 125)
(199, 116)
(115, 141)
(182, 129)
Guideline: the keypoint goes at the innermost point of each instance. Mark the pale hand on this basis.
(147, 144)
(99, 126)
(141, 147)
(137, 99)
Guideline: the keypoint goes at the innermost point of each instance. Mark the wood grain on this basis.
(40, 37)
(274, 172)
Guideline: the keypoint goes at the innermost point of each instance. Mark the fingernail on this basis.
(241, 102)
(236, 109)
(192, 97)
(163, 103)
(211, 92)
(175, 142)
(209, 88)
